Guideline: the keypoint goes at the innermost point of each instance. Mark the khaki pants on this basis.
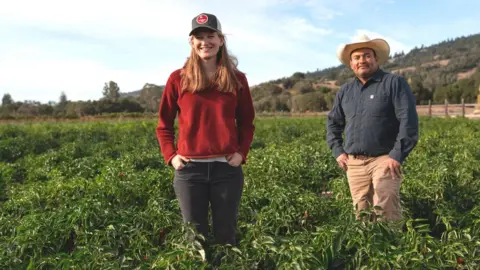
(369, 183)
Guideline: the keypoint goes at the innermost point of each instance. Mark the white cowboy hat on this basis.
(380, 46)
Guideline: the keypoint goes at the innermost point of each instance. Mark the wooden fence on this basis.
(431, 110)
(447, 110)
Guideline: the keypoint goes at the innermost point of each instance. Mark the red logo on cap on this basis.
(201, 19)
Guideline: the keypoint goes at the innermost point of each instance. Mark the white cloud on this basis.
(395, 45)
(319, 10)
(75, 46)
(80, 79)
(40, 67)
(430, 33)
(105, 19)
(300, 28)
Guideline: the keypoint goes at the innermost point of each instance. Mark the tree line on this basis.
(112, 101)
(301, 95)
(447, 70)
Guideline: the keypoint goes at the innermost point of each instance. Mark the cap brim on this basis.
(203, 27)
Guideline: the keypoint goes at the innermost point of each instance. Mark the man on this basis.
(378, 114)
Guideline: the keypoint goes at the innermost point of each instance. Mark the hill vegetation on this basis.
(447, 70)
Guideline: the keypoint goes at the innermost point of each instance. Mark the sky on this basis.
(51, 46)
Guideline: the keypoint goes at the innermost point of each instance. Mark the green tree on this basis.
(464, 88)
(63, 98)
(421, 93)
(298, 76)
(266, 90)
(150, 96)
(61, 106)
(313, 101)
(29, 109)
(111, 91)
(288, 83)
(7, 99)
(303, 87)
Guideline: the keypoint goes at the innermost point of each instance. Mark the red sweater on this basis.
(211, 123)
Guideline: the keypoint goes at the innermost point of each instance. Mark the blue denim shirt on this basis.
(378, 118)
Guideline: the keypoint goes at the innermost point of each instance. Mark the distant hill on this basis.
(449, 69)
(131, 94)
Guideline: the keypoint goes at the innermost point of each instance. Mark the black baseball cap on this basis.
(206, 20)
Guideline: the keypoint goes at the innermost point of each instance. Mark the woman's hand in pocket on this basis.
(235, 160)
(177, 162)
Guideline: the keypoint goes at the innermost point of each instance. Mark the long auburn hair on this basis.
(194, 77)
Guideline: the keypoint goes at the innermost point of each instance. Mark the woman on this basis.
(215, 120)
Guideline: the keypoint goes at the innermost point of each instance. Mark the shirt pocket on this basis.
(377, 105)
(348, 106)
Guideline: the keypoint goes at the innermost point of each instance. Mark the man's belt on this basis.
(362, 157)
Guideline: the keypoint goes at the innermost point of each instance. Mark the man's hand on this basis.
(235, 160)
(393, 166)
(177, 162)
(342, 161)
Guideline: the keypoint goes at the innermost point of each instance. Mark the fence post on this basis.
(463, 107)
(446, 108)
(430, 108)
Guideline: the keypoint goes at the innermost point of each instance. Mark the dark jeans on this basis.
(219, 184)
